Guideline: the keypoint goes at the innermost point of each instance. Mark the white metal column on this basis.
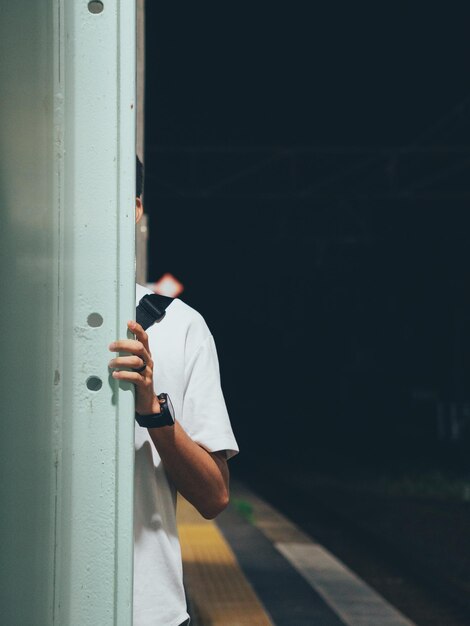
(67, 194)
(96, 158)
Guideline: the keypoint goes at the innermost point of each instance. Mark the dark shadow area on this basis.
(307, 181)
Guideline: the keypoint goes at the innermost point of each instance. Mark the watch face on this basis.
(170, 407)
(165, 402)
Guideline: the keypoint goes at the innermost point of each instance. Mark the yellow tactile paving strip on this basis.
(219, 592)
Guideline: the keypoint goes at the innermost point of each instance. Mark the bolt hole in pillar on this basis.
(95, 7)
(94, 383)
(95, 320)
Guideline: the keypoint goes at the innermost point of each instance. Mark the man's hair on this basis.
(139, 177)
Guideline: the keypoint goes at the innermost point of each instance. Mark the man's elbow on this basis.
(215, 506)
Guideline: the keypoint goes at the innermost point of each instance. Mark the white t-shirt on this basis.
(186, 367)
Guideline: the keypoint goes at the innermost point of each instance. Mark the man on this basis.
(176, 356)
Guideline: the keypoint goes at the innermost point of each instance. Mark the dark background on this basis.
(307, 179)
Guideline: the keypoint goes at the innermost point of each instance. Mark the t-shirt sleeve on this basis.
(205, 417)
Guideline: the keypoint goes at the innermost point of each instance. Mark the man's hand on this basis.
(201, 477)
(138, 354)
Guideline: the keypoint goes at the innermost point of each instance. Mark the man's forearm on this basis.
(201, 477)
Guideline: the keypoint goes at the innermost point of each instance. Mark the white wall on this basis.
(28, 273)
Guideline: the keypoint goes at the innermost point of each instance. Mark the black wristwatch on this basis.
(166, 417)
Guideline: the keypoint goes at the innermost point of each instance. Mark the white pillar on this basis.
(98, 209)
(67, 191)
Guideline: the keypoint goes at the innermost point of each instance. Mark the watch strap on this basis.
(156, 420)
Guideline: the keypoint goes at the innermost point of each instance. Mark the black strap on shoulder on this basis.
(151, 309)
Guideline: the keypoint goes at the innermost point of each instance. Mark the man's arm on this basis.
(200, 476)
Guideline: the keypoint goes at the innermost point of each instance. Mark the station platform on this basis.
(254, 567)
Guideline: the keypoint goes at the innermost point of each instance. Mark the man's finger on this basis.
(130, 345)
(131, 377)
(127, 361)
(139, 332)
